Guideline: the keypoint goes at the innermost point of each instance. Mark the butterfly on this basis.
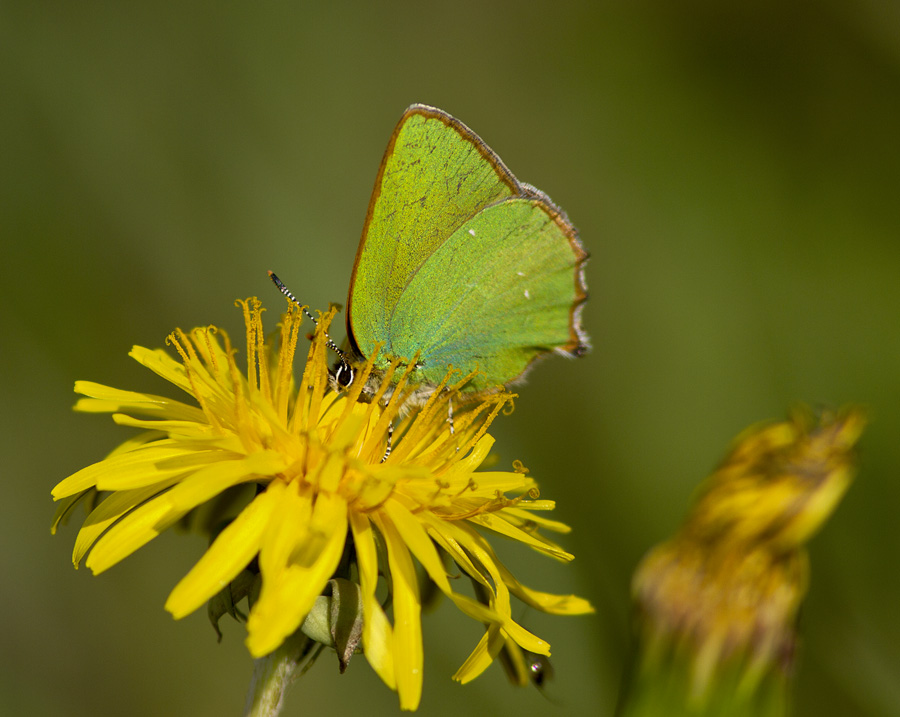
(460, 265)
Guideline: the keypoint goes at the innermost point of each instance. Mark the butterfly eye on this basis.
(344, 375)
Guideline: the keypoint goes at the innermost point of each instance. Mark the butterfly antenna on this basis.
(287, 292)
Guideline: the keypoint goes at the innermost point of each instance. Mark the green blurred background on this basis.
(733, 171)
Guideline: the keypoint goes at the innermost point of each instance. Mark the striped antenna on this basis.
(287, 292)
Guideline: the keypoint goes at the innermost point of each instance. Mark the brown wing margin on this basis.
(579, 342)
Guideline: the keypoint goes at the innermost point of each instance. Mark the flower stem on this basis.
(276, 672)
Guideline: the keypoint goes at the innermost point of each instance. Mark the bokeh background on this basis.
(734, 172)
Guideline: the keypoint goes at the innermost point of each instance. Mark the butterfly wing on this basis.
(461, 262)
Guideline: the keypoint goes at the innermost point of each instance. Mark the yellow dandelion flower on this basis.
(718, 603)
(323, 490)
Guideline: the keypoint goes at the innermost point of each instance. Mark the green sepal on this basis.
(336, 620)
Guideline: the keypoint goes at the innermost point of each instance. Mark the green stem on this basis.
(275, 673)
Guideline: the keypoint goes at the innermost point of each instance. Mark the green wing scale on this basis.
(461, 262)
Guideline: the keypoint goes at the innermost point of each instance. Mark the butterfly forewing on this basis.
(435, 175)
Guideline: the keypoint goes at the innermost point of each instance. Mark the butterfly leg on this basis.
(390, 438)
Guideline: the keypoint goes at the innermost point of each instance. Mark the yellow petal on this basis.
(525, 639)
(63, 508)
(483, 561)
(230, 553)
(496, 523)
(408, 653)
(133, 531)
(287, 529)
(439, 531)
(545, 602)
(418, 542)
(489, 482)
(285, 600)
(464, 467)
(189, 429)
(378, 635)
(136, 469)
(482, 656)
(212, 480)
(147, 521)
(476, 610)
(108, 512)
(103, 399)
(163, 365)
(523, 512)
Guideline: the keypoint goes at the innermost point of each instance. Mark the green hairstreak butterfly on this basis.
(460, 264)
